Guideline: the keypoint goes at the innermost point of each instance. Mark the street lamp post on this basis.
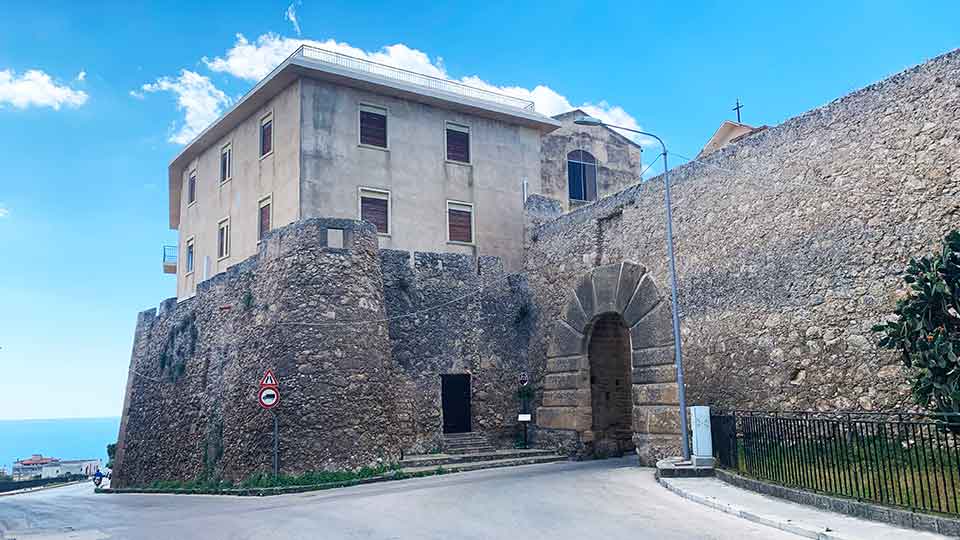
(678, 357)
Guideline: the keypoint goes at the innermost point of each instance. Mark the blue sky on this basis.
(83, 186)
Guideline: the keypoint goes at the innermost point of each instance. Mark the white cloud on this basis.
(197, 97)
(252, 61)
(36, 88)
(82, 76)
(4, 211)
(291, 15)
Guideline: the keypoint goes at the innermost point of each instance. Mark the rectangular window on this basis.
(375, 208)
(460, 222)
(373, 126)
(189, 256)
(264, 217)
(223, 238)
(266, 135)
(226, 163)
(458, 143)
(192, 188)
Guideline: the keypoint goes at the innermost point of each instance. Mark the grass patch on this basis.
(264, 483)
(906, 473)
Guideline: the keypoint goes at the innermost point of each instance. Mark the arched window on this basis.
(582, 176)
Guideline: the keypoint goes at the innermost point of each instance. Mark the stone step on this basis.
(491, 464)
(466, 443)
(457, 437)
(434, 460)
(471, 449)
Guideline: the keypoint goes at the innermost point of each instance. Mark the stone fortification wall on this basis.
(359, 339)
(789, 245)
(190, 410)
(453, 314)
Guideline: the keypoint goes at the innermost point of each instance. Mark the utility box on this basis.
(702, 455)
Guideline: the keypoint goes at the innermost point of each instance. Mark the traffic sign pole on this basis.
(269, 397)
(276, 446)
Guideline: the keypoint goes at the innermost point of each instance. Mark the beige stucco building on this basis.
(436, 165)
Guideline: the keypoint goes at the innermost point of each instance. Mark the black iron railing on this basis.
(899, 459)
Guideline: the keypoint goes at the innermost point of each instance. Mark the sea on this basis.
(64, 438)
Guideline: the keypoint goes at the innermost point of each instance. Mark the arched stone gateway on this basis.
(614, 334)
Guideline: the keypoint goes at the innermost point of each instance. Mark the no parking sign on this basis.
(269, 394)
(268, 397)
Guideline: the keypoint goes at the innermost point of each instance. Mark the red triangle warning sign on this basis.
(268, 379)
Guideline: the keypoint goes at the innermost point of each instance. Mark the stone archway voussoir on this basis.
(573, 312)
(644, 299)
(630, 275)
(565, 341)
(655, 329)
(606, 283)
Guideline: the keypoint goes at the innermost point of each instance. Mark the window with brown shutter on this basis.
(266, 135)
(373, 126)
(375, 208)
(264, 218)
(458, 143)
(460, 222)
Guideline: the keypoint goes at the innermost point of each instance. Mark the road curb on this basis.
(897, 517)
(783, 525)
(269, 491)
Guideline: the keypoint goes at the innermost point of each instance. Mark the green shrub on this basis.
(926, 329)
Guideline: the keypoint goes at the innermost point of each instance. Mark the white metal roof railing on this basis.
(390, 72)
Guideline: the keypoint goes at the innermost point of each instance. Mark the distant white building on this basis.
(86, 467)
(46, 467)
(50, 470)
(32, 467)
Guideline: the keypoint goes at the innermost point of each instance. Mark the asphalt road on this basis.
(608, 499)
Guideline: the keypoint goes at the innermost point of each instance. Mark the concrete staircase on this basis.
(471, 452)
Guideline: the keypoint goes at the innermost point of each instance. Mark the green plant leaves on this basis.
(927, 327)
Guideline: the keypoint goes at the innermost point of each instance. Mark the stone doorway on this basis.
(615, 325)
(608, 352)
(455, 399)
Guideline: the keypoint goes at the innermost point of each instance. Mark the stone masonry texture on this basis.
(191, 408)
(790, 245)
(355, 390)
(618, 158)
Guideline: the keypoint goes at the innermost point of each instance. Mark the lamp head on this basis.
(588, 121)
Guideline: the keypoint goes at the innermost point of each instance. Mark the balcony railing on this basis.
(398, 74)
(169, 259)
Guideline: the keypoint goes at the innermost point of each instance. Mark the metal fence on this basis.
(899, 459)
(399, 74)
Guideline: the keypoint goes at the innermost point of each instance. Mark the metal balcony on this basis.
(169, 259)
(398, 74)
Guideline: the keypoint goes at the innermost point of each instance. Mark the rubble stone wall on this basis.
(789, 244)
(453, 314)
(358, 338)
(191, 409)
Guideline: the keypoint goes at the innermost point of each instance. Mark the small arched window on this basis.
(582, 176)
